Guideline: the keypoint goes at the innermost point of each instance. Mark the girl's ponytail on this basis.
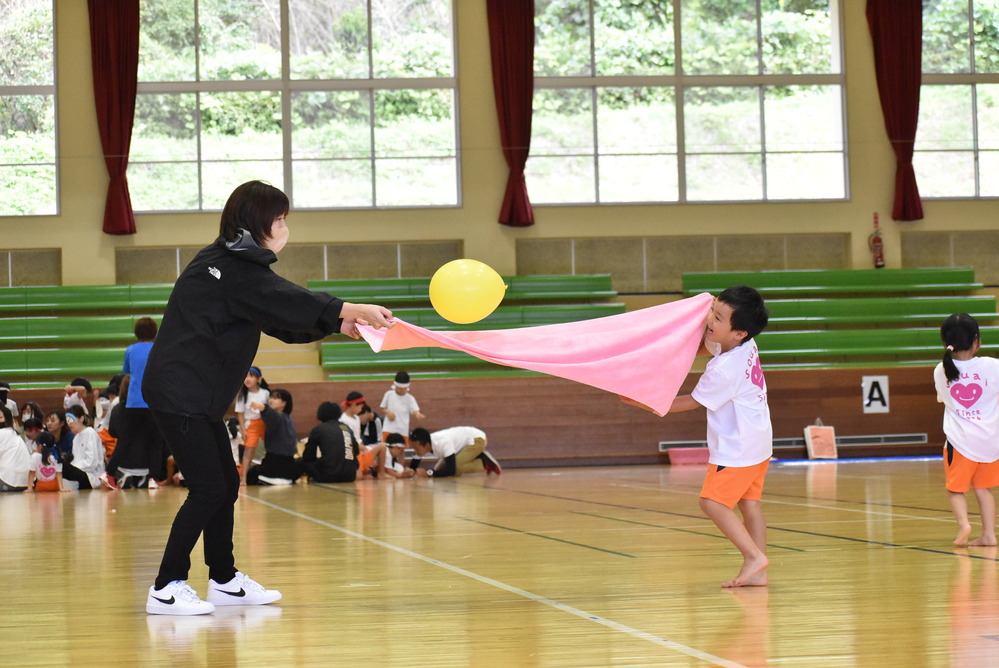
(959, 332)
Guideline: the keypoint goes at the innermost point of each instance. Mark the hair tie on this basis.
(950, 348)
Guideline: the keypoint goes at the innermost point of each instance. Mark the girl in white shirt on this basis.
(968, 387)
(251, 428)
(87, 465)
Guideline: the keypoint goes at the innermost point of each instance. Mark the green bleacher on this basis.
(858, 318)
(819, 319)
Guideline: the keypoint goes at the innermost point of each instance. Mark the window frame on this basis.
(680, 82)
(286, 87)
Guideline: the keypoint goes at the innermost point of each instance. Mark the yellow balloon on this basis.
(466, 291)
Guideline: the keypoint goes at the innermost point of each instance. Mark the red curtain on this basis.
(511, 45)
(114, 53)
(897, 33)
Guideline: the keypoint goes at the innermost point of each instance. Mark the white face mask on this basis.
(25, 416)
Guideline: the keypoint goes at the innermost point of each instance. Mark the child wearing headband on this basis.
(399, 406)
(968, 387)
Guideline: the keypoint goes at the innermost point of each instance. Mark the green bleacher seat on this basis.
(878, 310)
(888, 344)
(401, 291)
(97, 298)
(60, 363)
(836, 281)
(46, 331)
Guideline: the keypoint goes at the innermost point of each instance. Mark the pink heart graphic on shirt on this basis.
(756, 375)
(47, 471)
(966, 395)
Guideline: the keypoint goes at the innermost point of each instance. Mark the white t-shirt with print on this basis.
(734, 391)
(971, 407)
(260, 396)
(44, 471)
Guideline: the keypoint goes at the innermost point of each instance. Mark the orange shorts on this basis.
(963, 473)
(365, 460)
(254, 432)
(728, 485)
(109, 442)
(46, 485)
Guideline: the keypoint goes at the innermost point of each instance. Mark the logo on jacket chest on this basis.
(215, 272)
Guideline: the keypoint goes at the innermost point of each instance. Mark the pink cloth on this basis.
(644, 355)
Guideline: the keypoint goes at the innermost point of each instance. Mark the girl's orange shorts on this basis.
(728, 485)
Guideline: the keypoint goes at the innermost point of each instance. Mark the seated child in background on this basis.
(371, 426)
(32, 428)
(46, 471)
(330, 452)
(350, 414)
(395, 464)
(740, 434)
(15, 462)
(281, 444)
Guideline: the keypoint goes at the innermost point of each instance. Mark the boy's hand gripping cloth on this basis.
(644, 355)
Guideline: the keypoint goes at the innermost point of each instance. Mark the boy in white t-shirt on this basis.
(740, 435)
(399, 406)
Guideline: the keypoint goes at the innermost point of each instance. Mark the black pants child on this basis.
(201, 450)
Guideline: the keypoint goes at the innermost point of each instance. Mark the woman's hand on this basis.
(363, 314)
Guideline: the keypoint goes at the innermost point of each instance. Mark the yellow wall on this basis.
(88, 255)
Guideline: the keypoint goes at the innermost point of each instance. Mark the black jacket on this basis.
(335, 442)
(211, 328)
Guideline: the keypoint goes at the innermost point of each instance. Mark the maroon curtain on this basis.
(511, 44)
(114, 53)
(897, 33)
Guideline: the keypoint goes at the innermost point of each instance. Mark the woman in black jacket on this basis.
(209, 335)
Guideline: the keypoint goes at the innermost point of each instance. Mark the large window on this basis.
(342, 103)
(957, 140)
(692, 101)
(27, 109)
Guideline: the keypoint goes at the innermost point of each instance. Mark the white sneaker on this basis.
(176, 599)
(241, 590)
(275, 481)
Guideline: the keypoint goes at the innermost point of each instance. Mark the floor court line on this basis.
(582, 614)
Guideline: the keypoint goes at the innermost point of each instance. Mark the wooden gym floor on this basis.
(538, 567)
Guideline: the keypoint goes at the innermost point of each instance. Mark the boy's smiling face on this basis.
(719, 327)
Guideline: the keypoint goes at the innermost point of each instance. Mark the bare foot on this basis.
(983, 541)
(750, 568)
(963, 531)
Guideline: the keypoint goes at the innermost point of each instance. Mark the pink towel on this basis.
(644, 355)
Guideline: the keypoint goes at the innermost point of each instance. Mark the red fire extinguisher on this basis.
(876, 245)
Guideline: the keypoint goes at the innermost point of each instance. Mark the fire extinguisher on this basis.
(876, 245)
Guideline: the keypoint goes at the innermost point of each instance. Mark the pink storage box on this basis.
(687, 455)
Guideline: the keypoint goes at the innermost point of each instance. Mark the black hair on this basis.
(81, 415)
(420, 435)
(114, 387)
(4, 390)
(244, 391)
(145, 329)
(749, 314)
(32, 423)
(402, 377)
(80, 380)
(395, 439)
(8, 417)
(958, 333)
(253, 207)
(232, 426)
(328, 411)
(285, 396)
(63, 427)
(36, 410)
(48, 444)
